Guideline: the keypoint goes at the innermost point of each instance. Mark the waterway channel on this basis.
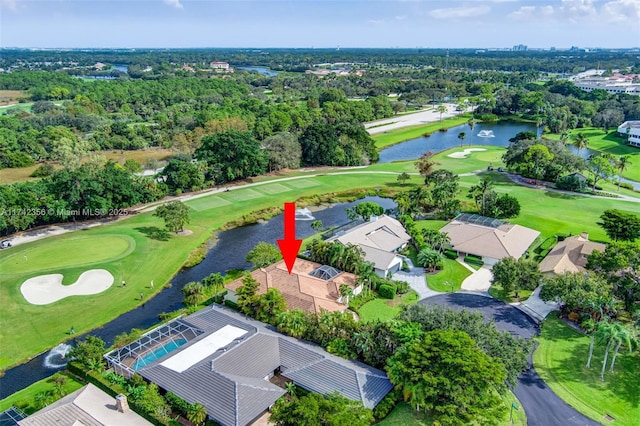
(228, 253)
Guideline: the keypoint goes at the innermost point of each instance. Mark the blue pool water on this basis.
(157, 353)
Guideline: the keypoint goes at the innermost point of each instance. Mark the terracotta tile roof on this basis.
(301, 290)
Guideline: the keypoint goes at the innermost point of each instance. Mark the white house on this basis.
(630, 130)
(380, 239)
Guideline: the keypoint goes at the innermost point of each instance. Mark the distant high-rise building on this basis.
(520, 48)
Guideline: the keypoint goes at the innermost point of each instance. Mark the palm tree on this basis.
(442, 240)
(622, 337)
(539, 123)
(580, 142)
(316, 225)
(441, 109)
(462, 136)
(346, 292)
(479, 192)
(621, 164)
(472, 124)
(365, 271)
(196, 413)
(564, 137)
(291, 389)
(590, 326)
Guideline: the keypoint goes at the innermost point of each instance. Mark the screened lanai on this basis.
(150, 347)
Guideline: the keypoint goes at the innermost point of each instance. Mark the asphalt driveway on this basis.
(542, 406)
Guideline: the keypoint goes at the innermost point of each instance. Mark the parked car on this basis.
(5, 244)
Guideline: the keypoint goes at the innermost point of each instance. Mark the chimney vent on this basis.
(585, 235)
(122, 405)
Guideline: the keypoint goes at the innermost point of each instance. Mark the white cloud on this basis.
(621, 11)
(376, 21)
(174, 3)
(525, 12)
(578, 9)
(8, 4)
(459, 12)
(546, 10)
(401, 17)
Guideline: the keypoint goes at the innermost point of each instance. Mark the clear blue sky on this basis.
(319, 23)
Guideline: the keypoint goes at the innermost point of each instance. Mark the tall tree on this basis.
(619, 225)
(263, 254)
(462, 136)
(175, 215)
(580, 142)
(441, 109)
(621, 165)
(600, 167)
(446, 374)
(283, 151)
(472, 124)
(478, 193)
(318, 410)
(514, 275)
(425, 164)
(232, 155)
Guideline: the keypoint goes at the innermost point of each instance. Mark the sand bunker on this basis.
(45, 289)
(463, 154)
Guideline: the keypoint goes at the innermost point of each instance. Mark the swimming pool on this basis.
(157, 353)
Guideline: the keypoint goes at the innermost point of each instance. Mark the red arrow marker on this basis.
(289, 247)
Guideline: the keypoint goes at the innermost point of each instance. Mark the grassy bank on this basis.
(26, 398)
(385, 309)
(561, 362)
(392, 137)
(610, 143)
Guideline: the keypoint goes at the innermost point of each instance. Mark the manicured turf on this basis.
(610, 143)
(550, 212)
(19, 107)
(392, 137)
(498, 292)
(74, 250)
(561, 361)
(404, 415)
(453, 273)
(385, 309)
(25, 399)
(475, 160)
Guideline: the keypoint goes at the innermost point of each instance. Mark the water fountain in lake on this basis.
(304, 214)
(486, 134)
(57, 357)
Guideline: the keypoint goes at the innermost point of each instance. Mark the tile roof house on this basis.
(488, 238)
(228, 366)
(380, 239)
(88, 406)
(570, 255)
(301, 289)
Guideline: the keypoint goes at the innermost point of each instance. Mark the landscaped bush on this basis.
(43, 170)
(450, 254)
(230, 304)
(626, 185)
(402, 287)
(387, 404)
(364, 297)
(387, 291)
(474, 261)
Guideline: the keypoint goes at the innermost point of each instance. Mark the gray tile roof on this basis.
(88, 406)
(231, 383)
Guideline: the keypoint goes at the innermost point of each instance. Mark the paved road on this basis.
(542, 406)
(412, 119)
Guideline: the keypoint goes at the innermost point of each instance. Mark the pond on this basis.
(228, 253)
(496, 134)
(267, 72)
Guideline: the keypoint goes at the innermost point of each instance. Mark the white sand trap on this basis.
(45, 289)
(463, 154)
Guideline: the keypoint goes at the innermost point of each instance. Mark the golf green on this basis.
(73, 251)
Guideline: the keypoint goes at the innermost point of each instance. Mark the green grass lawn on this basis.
(550, 212)
(385, 309)
(610, 143)
(132, 250)
(475, 160)
(392, 137)
(561, 361)
(453, 273)
(498, 292)
(18, 107)
(404, 415)
(25, 399)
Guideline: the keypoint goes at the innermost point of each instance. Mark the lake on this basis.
(267, 72)
(496, 134)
